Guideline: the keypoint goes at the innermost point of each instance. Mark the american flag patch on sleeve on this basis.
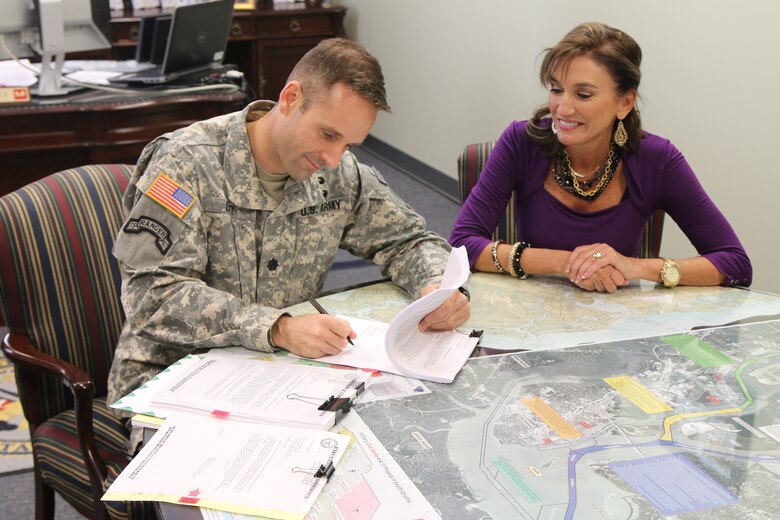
(170, 195)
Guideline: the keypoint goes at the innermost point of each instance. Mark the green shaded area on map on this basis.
(698, 351)
(519, 482)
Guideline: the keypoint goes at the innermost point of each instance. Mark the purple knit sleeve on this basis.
(682, 197)
(485, 205)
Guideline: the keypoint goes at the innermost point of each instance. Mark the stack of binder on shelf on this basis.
(244, 436)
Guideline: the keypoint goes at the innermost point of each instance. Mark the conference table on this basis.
(641, 404)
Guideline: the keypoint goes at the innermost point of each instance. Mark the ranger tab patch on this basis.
(155, 227)
(170, 195)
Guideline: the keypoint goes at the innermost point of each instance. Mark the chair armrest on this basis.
(20, 351)
(17, 348)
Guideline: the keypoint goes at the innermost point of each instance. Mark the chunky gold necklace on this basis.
(586, 190)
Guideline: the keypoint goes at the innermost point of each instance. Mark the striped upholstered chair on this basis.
(472, 160)
(59, 297)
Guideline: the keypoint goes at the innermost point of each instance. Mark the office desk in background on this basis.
(49, 135)
(265, 43)
(556, 433)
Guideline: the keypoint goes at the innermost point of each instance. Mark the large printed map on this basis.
(649, 428)
(550, 312)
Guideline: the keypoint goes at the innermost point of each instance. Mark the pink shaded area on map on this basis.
(358, 504)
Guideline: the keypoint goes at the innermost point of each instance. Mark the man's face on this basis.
(333, 121)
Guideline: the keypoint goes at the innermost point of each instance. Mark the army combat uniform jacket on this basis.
(208, 258)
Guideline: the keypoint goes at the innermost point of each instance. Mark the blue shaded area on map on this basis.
(673, 484)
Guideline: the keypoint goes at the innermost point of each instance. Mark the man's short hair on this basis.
(338, 60)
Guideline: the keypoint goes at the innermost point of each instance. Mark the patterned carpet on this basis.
(15, 449)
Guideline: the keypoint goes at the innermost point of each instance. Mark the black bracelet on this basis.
(515, 260)
(465, 292)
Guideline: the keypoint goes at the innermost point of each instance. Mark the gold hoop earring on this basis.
(621, 136)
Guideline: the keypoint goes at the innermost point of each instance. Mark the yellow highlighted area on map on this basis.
(553, 419)
(647, 401)
(674, 419)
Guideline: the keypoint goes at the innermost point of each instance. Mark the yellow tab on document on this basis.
(635, 392)
(553, 419)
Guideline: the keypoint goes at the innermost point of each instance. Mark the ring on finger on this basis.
(597, 255)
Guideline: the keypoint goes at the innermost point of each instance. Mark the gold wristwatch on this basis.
(670, 273)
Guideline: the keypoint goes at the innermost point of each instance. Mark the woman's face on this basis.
(584, 104)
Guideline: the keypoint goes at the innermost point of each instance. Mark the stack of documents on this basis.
(250, 469)
(241, 435)
(401, 348)
(249, 390)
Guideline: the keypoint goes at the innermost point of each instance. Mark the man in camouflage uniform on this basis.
(233, 218)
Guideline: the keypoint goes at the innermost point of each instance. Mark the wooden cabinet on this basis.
(48, 135)
(265, 43)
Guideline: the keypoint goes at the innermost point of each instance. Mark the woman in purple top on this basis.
(587, 178)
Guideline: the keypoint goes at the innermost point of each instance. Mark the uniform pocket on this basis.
(231, 248)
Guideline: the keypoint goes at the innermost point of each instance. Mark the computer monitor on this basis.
(49, 29)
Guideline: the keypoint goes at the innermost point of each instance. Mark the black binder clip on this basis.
(359, 389)
(342, 404)
(325, 470)
(336, 404)
(477, 334)
(328, 404)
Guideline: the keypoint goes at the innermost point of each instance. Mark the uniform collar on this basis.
(243, 185)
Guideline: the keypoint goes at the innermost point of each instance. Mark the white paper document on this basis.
(243, 468)
(401, 348)
(379, 386)
(368, 485)
(15, 74)
(258, 391)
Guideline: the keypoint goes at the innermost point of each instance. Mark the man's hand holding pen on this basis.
(322, 310)
(312, 335)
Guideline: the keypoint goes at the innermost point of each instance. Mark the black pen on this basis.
(322, 310)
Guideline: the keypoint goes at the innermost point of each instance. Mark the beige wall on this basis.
(459, 71)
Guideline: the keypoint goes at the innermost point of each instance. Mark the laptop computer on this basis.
(197, 39)
(152, 39)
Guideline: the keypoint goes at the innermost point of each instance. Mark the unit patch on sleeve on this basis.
(150, 225)
(170, 195)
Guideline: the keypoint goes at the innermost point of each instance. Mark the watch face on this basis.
(670, 273)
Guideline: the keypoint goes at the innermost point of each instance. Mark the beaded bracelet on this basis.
(494, 252)
(514, 260)
(510, 258)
